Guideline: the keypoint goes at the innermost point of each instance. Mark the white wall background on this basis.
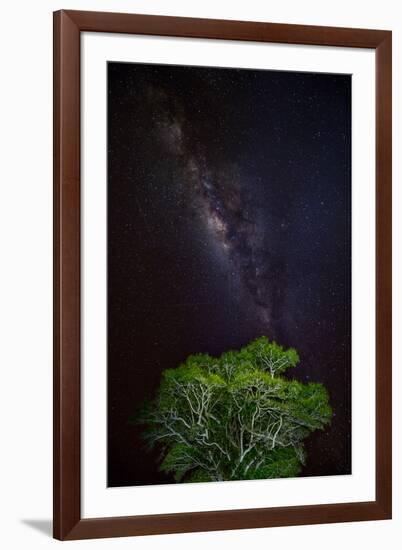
(26, 272)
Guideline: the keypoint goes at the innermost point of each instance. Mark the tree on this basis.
(234, 417)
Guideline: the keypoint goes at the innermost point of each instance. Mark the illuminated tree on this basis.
(234, 417)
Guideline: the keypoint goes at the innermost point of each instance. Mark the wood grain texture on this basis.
(67, 481)
(228, 519)
(384, 274)
(225, 29)
(66, 499)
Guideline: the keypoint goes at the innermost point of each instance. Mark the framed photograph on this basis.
(222, 270)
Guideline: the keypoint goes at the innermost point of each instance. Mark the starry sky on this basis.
(229, 217)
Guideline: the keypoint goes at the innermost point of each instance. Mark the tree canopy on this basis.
(234, 417)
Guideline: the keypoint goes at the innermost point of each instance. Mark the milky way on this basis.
(217, 194)
(229, 217)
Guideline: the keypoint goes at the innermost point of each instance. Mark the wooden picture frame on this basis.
(68, 523)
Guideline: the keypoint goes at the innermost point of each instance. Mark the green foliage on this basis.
(234, 417)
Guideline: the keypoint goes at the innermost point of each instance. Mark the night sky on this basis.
(229, 217)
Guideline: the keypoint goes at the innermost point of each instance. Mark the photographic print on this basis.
(229, 274)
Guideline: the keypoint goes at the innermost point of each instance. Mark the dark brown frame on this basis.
(68, 523)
